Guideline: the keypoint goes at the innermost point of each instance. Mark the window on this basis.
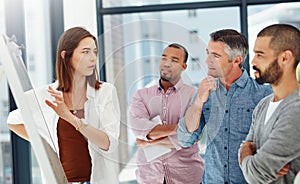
(195, 64)
(38, 52)
(117, 3)
(133, 47)
(5, 142)
(192, 13)
(193, 34)
(272, 13)
(39, 63)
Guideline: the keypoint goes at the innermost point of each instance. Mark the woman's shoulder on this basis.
(105, 89)
(105, 92)
(106, 85)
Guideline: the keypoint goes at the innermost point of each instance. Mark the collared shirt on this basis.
(227, 116)
(180, 165)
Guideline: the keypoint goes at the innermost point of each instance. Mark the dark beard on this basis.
(164, 79)
(271, 75)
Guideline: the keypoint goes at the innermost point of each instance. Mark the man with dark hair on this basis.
(154, 114)
(271, 152)
(224, 104)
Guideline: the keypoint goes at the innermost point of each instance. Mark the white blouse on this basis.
(101, 111)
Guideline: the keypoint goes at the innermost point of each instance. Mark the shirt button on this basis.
(225, 165)
(226, 129)
(164, 163)
(225, 147)
(226, 111)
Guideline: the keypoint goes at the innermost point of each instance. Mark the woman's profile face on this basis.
(84, 57)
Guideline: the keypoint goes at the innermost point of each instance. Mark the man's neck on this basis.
(166, 84)
(284, 88)
(226, 81)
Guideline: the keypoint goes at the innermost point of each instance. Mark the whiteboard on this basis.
(26, 100)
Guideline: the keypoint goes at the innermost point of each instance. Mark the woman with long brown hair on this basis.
(84, 113)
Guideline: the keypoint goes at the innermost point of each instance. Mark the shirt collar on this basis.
(176, 87)
(90, 92)
(241, 81)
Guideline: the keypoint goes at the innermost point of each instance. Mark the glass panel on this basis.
(134, 44)
(38, 54)
(5, 142)
(118, 3)
(39, 68)
(274, 13)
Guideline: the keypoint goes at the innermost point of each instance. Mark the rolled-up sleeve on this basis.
(111, 119)
(140, 121)
(109, 122)
(15, 117)
(186, 138)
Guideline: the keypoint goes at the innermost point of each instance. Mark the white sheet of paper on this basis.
(157, 119)
(155, 151)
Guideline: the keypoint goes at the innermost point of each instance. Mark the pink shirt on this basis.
(181, 165)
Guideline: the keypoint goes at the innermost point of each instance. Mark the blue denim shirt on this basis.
(227, 116)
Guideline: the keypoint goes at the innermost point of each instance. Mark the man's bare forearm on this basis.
(164, 142)
(192, 116)
(161, 131)
(247, 149)
(161, 142)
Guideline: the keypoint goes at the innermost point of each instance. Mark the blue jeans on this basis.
(84, 182)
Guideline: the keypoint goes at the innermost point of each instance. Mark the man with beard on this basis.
(224, 104)
(154, 114)
(271, 152)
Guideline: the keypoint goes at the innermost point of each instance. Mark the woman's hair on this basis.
(68, 41)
